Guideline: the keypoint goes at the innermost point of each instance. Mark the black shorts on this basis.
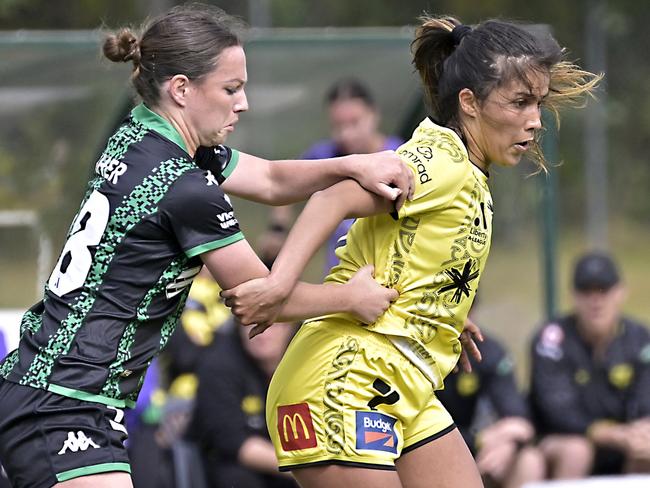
(47, 438)
(608, 462)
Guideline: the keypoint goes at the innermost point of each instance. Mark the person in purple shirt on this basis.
(354, 124)
(3, 346)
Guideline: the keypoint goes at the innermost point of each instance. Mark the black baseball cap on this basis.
(595, 271)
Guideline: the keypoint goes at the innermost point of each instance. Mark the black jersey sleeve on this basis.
(499, 381)
(220, 160)
(200, 213)
(554, 397)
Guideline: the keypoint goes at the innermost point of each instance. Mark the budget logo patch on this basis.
(376, 431)
(295, 427)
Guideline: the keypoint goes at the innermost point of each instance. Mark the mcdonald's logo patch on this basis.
(376, 431)
(295, 427)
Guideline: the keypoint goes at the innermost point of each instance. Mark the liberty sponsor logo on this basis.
(474, 233)
(109, 168)
(478, 234)
(295, 427)
(376, 432)
(78, 442)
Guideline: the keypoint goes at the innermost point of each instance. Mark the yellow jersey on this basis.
(432, 252)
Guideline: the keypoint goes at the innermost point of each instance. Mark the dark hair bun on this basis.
(122, 47)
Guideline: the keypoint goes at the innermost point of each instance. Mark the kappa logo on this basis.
(78, 442)
(295, 427)
(376, 432)
(210, 179)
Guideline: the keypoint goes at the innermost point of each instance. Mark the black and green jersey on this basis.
(131, 253)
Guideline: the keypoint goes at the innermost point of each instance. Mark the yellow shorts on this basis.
(345, 395)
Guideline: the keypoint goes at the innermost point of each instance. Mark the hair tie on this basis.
(133, 53)
(458, 32)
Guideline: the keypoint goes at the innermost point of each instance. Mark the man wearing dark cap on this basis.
(590, 380)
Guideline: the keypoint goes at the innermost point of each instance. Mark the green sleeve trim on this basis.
(209, 246)
(232, 164)
(95, 469)
(90, 397)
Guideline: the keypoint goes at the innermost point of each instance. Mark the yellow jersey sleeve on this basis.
(438, 160)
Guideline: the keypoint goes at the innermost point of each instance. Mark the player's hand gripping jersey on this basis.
(433, 254)
(123, 276)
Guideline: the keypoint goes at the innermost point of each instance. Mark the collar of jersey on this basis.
(484, 175)
(431, 124)
(155, 122)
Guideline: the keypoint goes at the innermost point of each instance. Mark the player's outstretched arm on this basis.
(361, 296)
(325, 209)
(289, 181)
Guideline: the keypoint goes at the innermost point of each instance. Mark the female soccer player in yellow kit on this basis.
(350, 403)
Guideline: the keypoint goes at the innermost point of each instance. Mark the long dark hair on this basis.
(450, 56)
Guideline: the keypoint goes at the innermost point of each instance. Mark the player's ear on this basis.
(179, 88)
(468, 103)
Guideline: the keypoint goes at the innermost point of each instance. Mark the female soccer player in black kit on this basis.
(154, 212)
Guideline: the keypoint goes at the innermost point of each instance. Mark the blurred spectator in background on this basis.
(160, 457)
(228, 422)
(590, 384)
(3, 345)
(270, 242)
(493, 417)
(354, 121)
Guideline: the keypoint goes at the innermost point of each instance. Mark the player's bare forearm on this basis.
(317, 221)
(309, 300)
(261, 300)
(289, 181)
(362, 296)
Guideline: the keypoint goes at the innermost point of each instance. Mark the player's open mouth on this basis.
(524, 145)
